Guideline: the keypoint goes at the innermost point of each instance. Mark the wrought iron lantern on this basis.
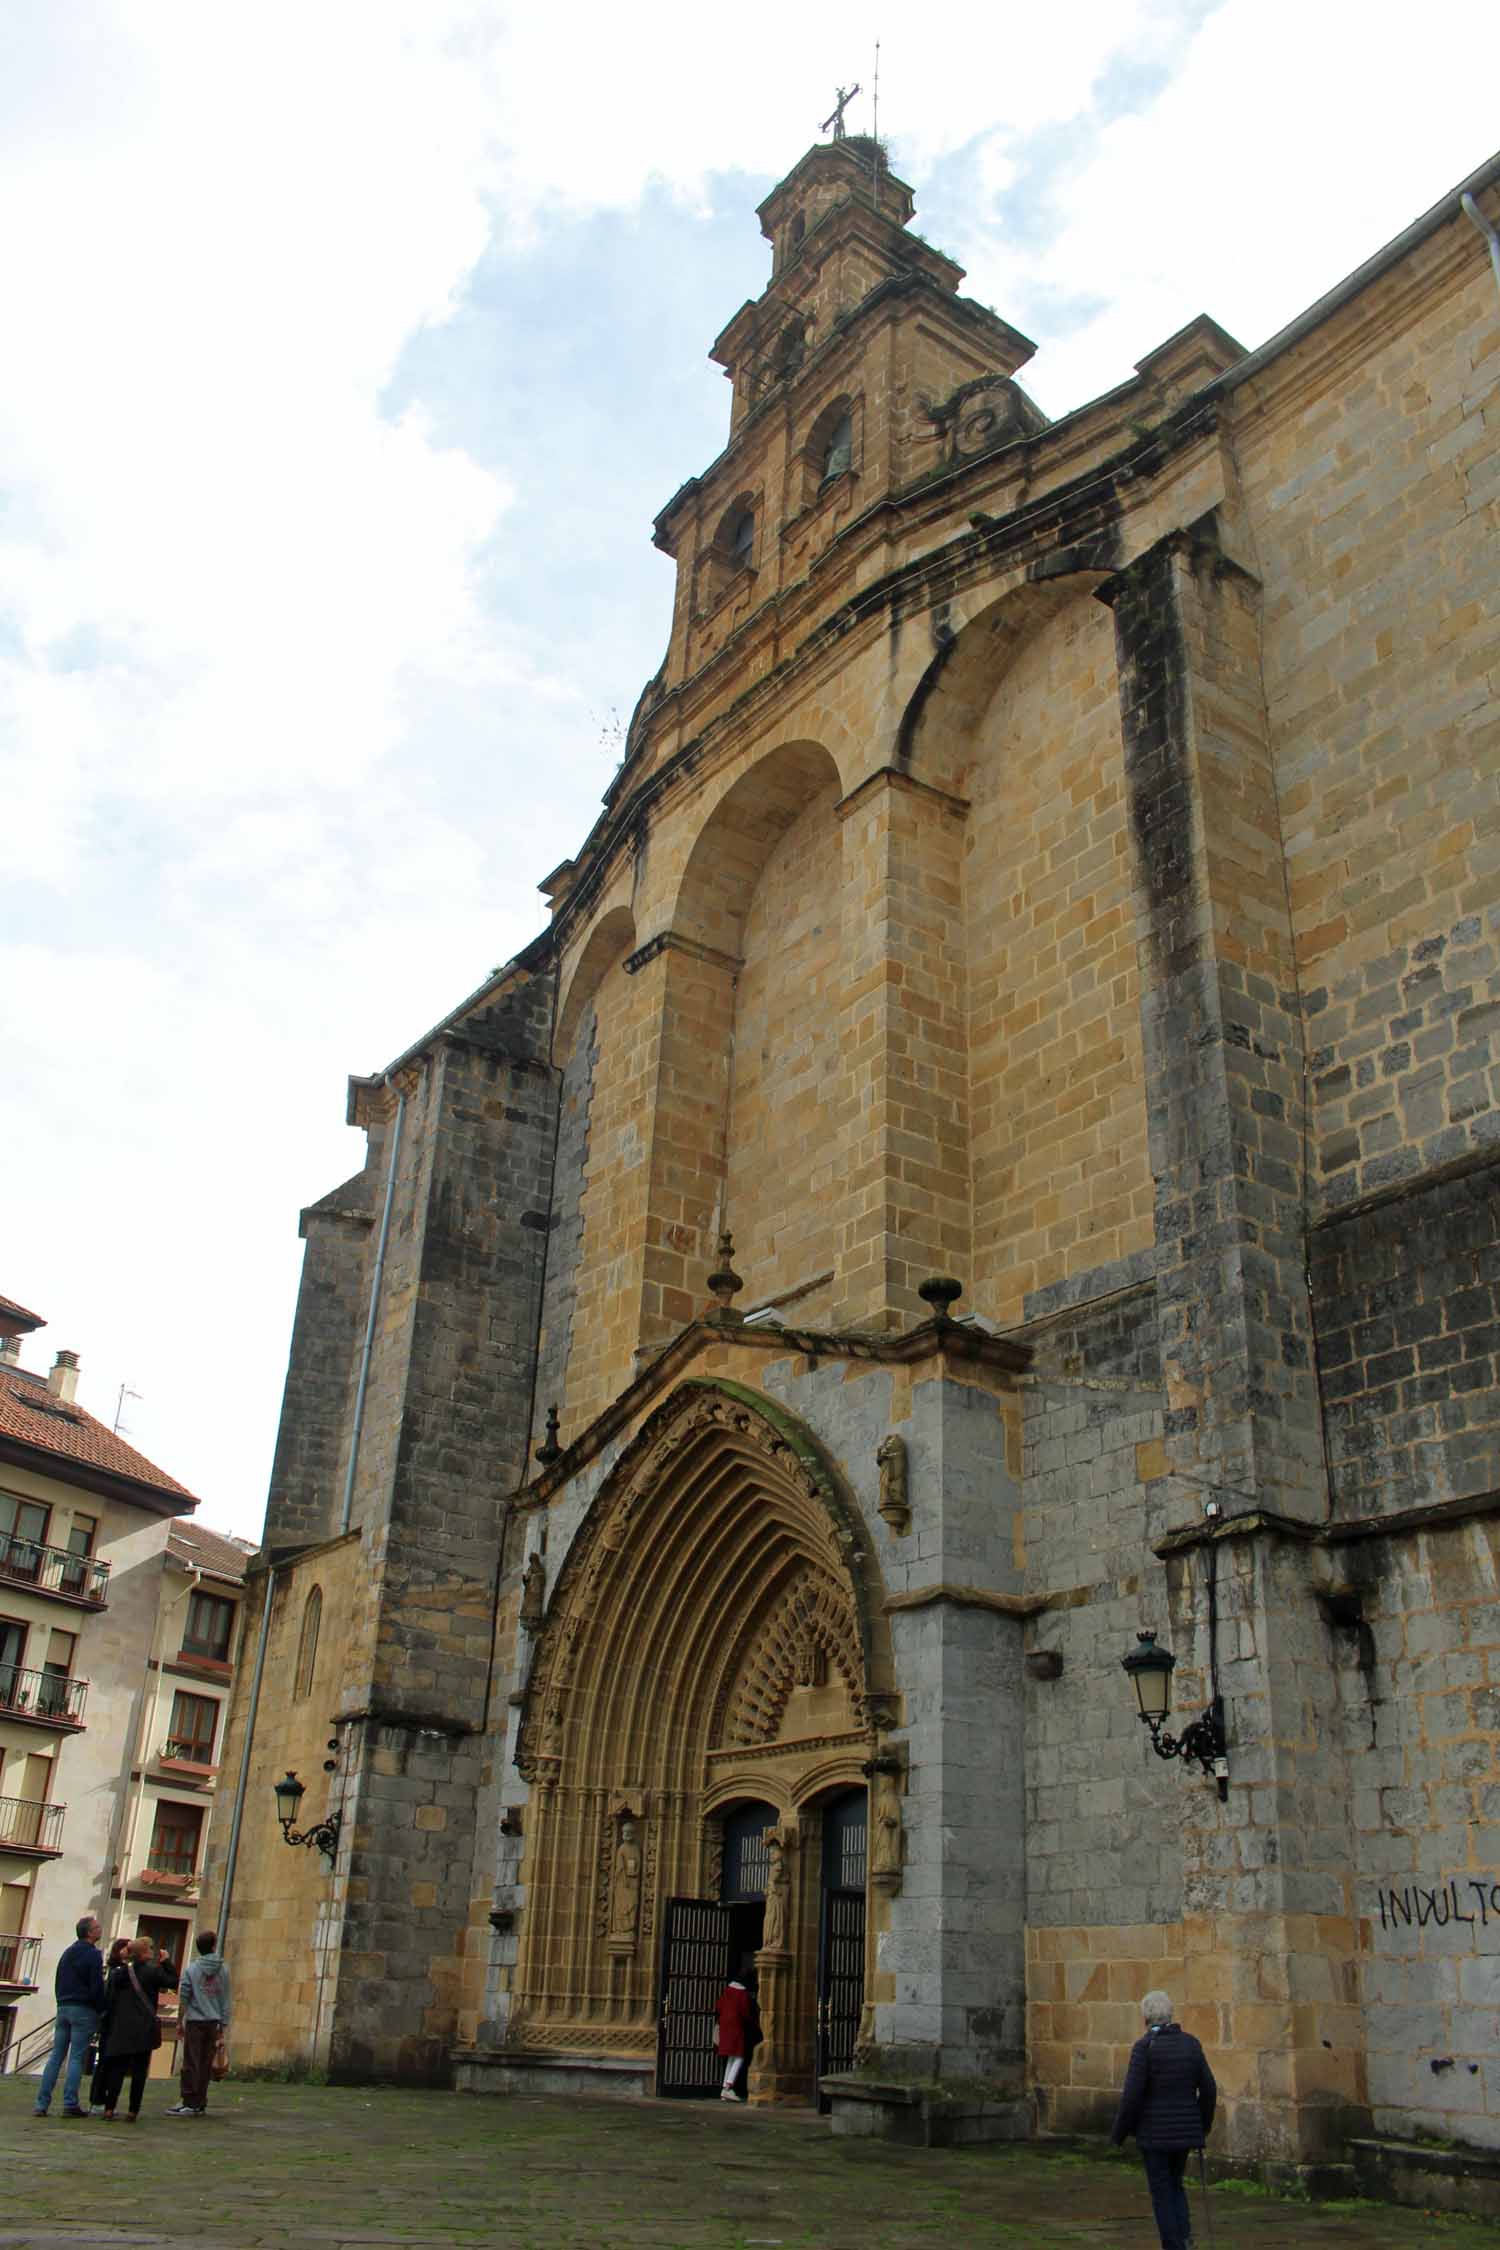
(1202, 1740)
(324, 1837)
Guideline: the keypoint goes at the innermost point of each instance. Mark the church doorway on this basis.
(705, 1942)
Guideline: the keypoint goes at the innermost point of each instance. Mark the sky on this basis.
(351, 347)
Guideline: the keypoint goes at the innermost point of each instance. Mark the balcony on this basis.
(27, 1825)
(18, 1963)
(43, 1699)
(192, 1760)
(76, 1579)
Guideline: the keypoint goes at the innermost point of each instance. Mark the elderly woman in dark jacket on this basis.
(134, 2034)
(1168, 2102)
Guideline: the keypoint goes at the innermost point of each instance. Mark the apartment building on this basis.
(118, 1625)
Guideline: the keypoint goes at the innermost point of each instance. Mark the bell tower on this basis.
(841, 372)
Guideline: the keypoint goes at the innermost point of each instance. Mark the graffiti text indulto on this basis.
(1463, 1898)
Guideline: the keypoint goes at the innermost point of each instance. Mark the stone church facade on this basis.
(1056, 862)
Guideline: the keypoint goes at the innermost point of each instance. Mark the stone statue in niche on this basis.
(894, 1502)
(810, 1660)
(625, 1889)
(778, 1890)
(885, 1833)
(533, 1595)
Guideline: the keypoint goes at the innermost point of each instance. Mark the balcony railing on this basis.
(18, 1960)
(53, 1570)
(47, 1696)
(27, 1825)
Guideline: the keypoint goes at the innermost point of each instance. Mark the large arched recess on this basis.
(1020, 716)
(763, 887)
(720, 1570)
(585, 1326)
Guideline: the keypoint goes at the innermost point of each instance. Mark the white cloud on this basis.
(278, 784)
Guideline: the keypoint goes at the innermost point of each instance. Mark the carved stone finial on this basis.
(940, 1292)
(895, 1500)
(725, 1284)
(549, 1450)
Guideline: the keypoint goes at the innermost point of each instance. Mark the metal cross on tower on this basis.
(846, 96)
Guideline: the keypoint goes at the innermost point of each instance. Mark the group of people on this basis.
(108, 2021)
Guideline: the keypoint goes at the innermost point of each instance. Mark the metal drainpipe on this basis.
(244, 1777)
(1472, 211)
(375, 1280)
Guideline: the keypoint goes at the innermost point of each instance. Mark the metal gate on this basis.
(694, 1971)
(841, 1943)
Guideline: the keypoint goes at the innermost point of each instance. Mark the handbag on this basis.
(149, 2006)
(219, 2067)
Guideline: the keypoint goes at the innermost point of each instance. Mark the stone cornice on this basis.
(895, 777)
(932, 1339)
(1266, 1523)
(671, 941)
(1027, 544)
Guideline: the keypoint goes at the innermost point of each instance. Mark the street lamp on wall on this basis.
(1202, 1740)
(324, 1837)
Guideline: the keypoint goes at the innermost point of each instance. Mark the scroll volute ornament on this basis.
(894, 1502)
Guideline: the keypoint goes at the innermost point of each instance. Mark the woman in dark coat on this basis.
(131, 1997)
(1168, 2102)
(116, 1955)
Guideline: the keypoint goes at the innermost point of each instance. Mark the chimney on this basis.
(10, 1349)
(63, 1380)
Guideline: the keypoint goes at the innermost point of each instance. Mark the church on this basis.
(988, 1173)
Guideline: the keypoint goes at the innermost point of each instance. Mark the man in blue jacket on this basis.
(1168, 2102)
(79, 1990)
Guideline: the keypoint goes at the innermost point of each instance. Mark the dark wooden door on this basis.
(694, 1971)
(841, 1941)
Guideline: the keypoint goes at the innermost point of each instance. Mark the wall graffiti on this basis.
(1463, 1898)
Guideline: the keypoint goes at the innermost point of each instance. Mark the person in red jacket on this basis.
(736, 2013)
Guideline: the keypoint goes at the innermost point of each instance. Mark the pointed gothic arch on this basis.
(719, 1611)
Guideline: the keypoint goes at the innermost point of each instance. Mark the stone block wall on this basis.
(1408, 1307)
(1416, 1666)
(1061, 1179)
(307, 1473)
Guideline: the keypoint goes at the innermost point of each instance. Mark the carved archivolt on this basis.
(719, 1572)
(809, 1636)
(709, 1455)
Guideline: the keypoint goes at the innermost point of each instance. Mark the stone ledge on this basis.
(1429, 2178)
(916, 2117)
(516, 2070)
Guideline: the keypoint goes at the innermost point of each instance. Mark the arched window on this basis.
(829, 448)
(799, 229)
(740, 542)
(307, 1647)
(838, 448)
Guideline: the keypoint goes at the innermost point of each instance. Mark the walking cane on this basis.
(1208, 2222)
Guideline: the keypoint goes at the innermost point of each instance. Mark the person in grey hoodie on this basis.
(203, 2014)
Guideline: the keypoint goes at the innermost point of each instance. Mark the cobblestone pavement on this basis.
(353, 2169)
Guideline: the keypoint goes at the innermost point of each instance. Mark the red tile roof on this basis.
(31, 1417)
(14, 1317)
(213, 1551)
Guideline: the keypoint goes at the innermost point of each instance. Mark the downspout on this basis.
(369, 1344)
(1472, 211)
(242, 1783)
